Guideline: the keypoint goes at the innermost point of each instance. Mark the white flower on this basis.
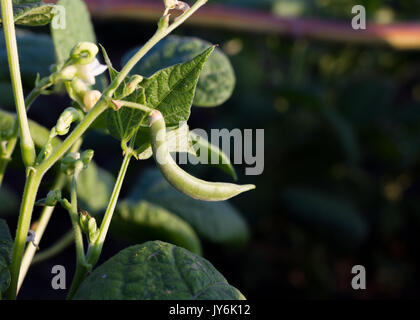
(88, 72)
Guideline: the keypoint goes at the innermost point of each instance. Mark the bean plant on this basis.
(145, 108)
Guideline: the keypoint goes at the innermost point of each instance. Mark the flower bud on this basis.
(91, 98)
(170, 4)
(68, 163)
(86, 157)
(132, 85)
(67, 74)
(68, 116)
(183, 6)
(52, 198)
(89, 226)
(84, 52)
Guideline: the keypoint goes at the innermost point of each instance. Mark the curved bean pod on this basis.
(178, 178)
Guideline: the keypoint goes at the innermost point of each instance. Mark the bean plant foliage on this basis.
(160, 82)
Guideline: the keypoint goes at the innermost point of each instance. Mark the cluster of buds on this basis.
(89, 226)
(79, 72)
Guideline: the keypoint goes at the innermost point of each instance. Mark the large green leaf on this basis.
(218, 222)
(334, 217)
(217, 79)
(142, 221)
(171, 90)
(78, 28)
(94, 188)
(32, 12)
(36, 55)
(156, 271)
(6, 244)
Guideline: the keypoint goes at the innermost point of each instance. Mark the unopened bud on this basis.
(84, 52)
(68, 116)
(132, 85)
(86, 157)
(52, 198)
(170, 4)
(183, 6)
(68, 163)
(91, 98)
(89, 226)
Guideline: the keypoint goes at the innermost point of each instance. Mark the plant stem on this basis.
(134, 105)
(11, 144)
(82, 267)
(40, 229)
(26, 144)
(78, 235)
(42, 225)
(33, 181)
(95, 251)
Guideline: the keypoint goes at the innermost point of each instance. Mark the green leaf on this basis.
(334, 217)
(9, 201)
(218, 222)
(142, 221)
(124, 123)
(94, 188)
(6, 244)
(156, 271)
(32, 12)
(171, 90)
(78, 28)
(224, 163)
(36, 55)
(217, 78)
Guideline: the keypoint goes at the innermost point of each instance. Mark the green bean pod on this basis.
(178, 178)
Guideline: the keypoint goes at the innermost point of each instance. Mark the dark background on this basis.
(341, 179)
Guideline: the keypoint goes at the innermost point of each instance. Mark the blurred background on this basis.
(341, 113)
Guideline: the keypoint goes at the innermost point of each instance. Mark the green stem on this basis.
(74, 214)
(11, 144)
(27, 144)
(82, 267)
(95, 251)
(33, 181)
(40, 229)
(134, 105)
(42, 225)
(55, 249)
